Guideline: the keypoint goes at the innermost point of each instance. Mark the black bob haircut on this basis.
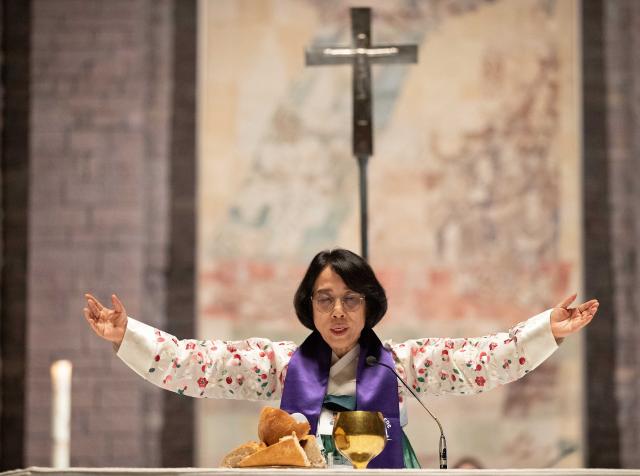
(356, 274)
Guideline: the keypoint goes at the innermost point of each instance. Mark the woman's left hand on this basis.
(566, 320)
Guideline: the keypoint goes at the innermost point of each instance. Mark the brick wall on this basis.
(622, 43)
(611, 83)
(101, 136)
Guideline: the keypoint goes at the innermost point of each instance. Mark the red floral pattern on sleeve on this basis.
(251, 369)
(465, 366)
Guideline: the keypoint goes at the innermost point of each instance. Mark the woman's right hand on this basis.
(110, 324)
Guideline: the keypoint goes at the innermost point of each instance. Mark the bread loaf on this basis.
(275, 423)
(284, 442)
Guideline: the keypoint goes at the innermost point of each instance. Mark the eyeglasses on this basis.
(325, 303)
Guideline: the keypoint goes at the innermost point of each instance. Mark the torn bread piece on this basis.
(232, 459)
(311, 448)
(286, 452)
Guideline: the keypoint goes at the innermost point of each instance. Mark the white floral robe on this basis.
(255, 368)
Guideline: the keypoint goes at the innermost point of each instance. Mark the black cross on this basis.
(361, 54)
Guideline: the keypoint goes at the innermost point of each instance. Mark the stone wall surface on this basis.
(622, 67)
(101, 85)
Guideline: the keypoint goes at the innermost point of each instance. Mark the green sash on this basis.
(338, 403)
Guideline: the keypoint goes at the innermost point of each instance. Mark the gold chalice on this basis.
(360, 436)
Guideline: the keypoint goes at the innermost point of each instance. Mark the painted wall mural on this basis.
(474, 195)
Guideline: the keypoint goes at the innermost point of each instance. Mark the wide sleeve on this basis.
(251, 369)
(464, 366)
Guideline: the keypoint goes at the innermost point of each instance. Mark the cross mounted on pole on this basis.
(361, 54)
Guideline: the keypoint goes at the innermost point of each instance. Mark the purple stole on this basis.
(306, 383)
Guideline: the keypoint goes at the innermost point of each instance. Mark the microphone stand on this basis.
(442, 445)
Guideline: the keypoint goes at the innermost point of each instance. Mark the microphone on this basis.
(442, 445)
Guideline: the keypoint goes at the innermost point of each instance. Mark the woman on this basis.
(340, 300)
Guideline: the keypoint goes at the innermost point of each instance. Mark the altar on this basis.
(42, 471)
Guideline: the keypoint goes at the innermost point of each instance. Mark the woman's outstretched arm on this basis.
(473, 365)
(250, 369)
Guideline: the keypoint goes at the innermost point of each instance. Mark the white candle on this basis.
(60, 413)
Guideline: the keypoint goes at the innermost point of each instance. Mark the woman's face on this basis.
(338, 327)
